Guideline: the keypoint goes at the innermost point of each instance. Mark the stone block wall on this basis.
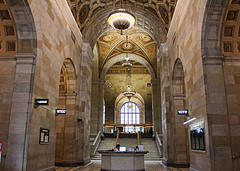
(184, 42)
(35, 73)
(231, 79)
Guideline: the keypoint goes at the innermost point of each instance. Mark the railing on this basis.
(138, 137)
(158, 143)
(95, 144)
(117, 137)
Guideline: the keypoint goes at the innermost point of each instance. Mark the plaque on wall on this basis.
(44, 136)
(197, 139)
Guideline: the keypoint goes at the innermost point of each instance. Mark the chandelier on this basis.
(129, 93)
(121, 19)
(127, 64)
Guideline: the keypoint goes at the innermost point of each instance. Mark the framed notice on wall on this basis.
(197, 139)
(44, 136)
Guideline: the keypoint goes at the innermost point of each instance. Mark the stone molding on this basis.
(25, 58)
(212, 60)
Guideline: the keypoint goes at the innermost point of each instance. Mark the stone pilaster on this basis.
(100, 105)
(217, 115)
(156, 107)
(21, 108)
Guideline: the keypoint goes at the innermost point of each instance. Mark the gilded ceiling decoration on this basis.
(231, 30)
(112, 44)
(85, 11)
(8, 43)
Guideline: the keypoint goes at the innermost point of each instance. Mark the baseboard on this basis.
(175, 164)
(74, 164)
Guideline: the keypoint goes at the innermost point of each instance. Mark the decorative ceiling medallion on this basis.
(108, 38)
(145, 38)
(127, 46)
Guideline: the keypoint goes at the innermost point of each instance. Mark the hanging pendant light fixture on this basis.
(128, 64)
(121, 19)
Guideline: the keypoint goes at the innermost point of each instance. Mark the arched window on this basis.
(130, 113)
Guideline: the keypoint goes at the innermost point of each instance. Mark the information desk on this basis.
(116, 161)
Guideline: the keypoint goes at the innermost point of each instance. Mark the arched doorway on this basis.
(66, 129)
(180, 133)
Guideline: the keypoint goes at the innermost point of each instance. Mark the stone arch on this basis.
(121, 57)
(178, 79)
(179, 135)
(67, 100)
(70, 75)
(121, 100)
(211, 30)
(121, 96)
(23, 27)
(223, 63)
(17, 59)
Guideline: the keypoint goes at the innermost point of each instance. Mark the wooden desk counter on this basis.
(118, 161)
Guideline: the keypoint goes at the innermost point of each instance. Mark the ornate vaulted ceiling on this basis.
(112, 44)
(153, 19)
(89, 15)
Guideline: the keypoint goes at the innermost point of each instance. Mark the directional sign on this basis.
(61, 111)
(41, 101)
(183, 112)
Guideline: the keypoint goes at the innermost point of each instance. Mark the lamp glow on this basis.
(121, 19)
(190, 120)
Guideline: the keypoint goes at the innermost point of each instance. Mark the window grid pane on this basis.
(130, 114)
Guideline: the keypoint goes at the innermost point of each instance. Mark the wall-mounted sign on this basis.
(39, 102)
(197, 139)
(44, 136)
(61, 111)
(183, 112)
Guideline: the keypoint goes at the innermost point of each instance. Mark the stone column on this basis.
(21, 107)
(97, 106)
(100, 105)
(156, 106)
(218, 139)
(70, 137)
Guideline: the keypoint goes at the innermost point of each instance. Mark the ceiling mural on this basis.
(85, 10)
(112, 44)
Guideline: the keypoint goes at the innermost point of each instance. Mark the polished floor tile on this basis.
(95, 165)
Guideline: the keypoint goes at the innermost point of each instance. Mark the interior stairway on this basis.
(148, 144)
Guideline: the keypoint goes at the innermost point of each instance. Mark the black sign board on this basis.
(61, 111)
(183, 112)
(197, 139)
(39, 102)
(44, 136)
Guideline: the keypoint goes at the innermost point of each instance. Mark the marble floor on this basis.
(95, 165)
